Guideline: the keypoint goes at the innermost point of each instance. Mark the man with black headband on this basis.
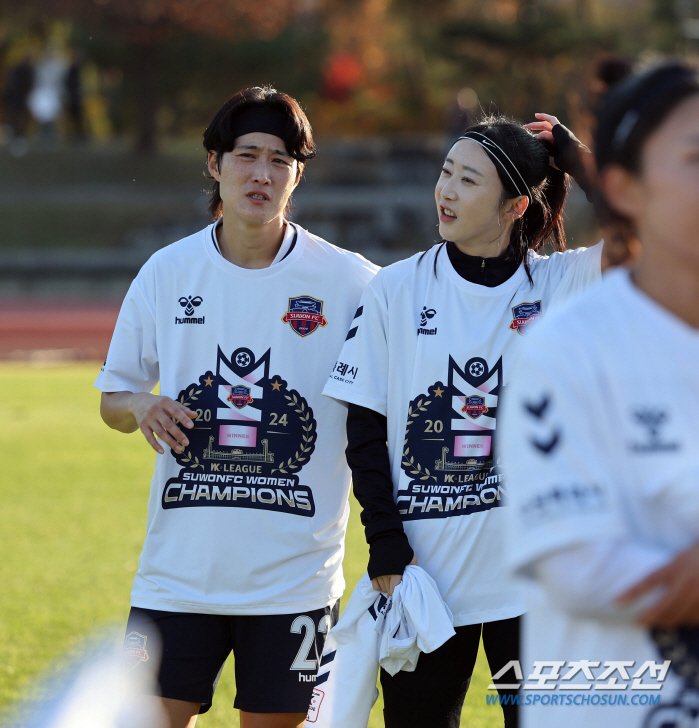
(240, 324)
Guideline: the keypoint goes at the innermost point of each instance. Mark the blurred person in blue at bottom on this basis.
(600, 441)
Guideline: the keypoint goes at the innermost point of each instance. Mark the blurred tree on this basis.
(146, 24)
(525, 56)
(409, 59)
(359, 66)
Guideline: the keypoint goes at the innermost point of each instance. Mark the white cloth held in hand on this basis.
(419, 621)
(376, 630)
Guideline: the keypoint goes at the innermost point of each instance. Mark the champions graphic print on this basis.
(524, 314)
(305, 315)
(251, 438)
(448, 448)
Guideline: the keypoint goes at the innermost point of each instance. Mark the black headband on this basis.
(497, 154)
(638, 97)
(262, 119)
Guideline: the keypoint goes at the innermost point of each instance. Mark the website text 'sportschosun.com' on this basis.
(559, 683)
(557, 700)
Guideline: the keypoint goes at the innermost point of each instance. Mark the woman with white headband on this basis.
(427, 358)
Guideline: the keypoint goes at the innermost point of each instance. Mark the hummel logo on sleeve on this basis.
(547, 447)
(189, 303)
(537, 410)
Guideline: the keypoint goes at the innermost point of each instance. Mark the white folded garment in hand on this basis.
(376, 630)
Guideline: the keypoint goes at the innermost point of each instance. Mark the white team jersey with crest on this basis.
(601, 445)
(433, 352)
(251, 517)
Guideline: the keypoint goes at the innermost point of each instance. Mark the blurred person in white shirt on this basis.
(600, 441)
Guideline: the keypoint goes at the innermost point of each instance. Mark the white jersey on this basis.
(601, 445)
(251, 517)
(433, 353)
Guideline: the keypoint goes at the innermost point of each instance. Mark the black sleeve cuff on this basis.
(569, 154)
(389, 554)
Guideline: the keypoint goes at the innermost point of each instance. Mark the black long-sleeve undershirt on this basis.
(573, 157)
(367, 455)
(367, 448)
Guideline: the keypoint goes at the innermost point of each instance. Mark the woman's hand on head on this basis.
(566, 152)
(544, 125)
(388, 583)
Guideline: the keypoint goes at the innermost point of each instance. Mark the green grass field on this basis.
(72, 520)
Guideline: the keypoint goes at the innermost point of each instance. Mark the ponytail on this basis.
(543, 220)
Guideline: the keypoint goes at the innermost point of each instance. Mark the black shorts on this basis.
(276, 656)
(434, 694)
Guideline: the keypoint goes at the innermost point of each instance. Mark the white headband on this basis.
(487, 145)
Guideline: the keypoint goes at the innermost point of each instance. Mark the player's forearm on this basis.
(587, 579)
(118, 409)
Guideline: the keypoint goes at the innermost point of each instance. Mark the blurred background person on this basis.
(48, 92)
(18, 84)
(74, 96)
(462, 113)
(610, 70)
(603, 456)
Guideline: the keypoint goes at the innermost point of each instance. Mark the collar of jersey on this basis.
(445, 267)
(287, 256)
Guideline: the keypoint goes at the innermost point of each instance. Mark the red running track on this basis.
(56, 330)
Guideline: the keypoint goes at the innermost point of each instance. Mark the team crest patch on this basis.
(523, 314)
(135, 649)
(305, 315)
(240, 397)
(314, 707)
(474, 406)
